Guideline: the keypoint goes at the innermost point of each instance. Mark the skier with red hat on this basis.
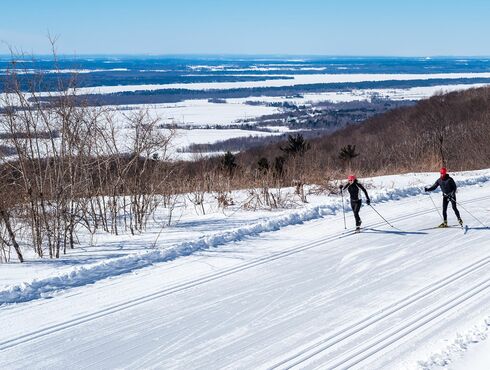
(448, 187)
(353, 187)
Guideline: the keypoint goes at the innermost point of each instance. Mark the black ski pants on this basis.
(356, 207)
(445, 203)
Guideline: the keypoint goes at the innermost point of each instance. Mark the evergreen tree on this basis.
(263, 165)
(348, 153)
(279, 166)
(228, 163)
(296, 145)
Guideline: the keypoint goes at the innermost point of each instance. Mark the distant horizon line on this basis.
(236, 55)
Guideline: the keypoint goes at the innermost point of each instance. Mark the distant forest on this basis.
(177, 95)
(450, 130)
(41, 81)
(311, 122)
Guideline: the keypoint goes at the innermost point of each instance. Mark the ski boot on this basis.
(444, 224)
(460, 222)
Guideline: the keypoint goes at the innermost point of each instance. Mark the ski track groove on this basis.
(376, 317)
(6, 344)
(370, 348)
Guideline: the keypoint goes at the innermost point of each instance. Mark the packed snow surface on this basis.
(288, 288)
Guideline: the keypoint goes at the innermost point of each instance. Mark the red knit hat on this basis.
(351, 178)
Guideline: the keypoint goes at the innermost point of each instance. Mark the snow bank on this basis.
(91, 273)
(460, 344)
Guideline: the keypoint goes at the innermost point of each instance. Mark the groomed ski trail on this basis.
(374, 343)
(337, 300)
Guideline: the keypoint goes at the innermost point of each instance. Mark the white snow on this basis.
(469, 350)
(200, 116)
(265, 289)
(260, 67)
(54, 71)
(185, 138)
(203, 117)
(202, 112)
(413, 93)
(477, 358)
(305, 79)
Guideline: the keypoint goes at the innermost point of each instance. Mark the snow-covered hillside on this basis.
(267, 289)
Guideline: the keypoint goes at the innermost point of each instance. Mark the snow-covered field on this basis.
(201, 112)
(290, 80)
(234, 112)
(195, 113)
(413, 93)
(185, 138)
(266, 289)
(4, 71)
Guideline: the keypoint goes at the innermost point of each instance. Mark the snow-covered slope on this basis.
(268, 290)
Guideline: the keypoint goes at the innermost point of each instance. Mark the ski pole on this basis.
(343, 210)
(459, 204)
(383, 217)
(437, 209)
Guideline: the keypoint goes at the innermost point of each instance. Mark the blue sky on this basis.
(306, 27)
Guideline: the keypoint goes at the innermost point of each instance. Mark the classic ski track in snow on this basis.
(369, 348)
(405, 328)
(36, 289)
(245, 266)
(87, 274)
(173, 289)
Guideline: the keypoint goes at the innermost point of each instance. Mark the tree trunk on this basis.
(6, 220)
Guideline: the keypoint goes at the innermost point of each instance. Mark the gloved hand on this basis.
(426, 189)
(368, 201)
(341, 187)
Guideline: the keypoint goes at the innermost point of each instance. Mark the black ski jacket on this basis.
(354, 190)
(447, 184)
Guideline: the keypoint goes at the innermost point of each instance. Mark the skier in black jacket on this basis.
(448, 187)
(353, 187)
